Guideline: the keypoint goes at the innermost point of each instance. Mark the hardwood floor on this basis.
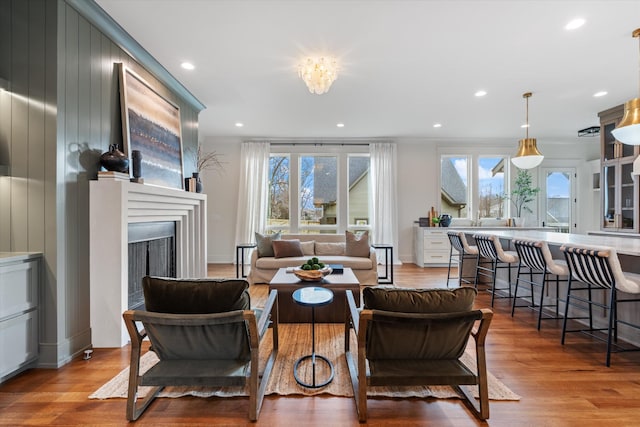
(560, 385)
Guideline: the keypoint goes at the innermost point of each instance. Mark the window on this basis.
(278, 209)
(318, 195)
(358, 192)
(324, 192)
(477, 194)
(454, 194)
(491, 187)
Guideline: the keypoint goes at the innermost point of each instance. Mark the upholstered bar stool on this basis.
(597, 271)
(537, 268)
(491, 257)
(460, 251)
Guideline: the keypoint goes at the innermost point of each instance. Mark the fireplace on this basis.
(115, 206)
(152, 252)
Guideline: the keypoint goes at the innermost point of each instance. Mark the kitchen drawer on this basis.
(436, 242)
(18, 343)
(436, 257)
(18, 288)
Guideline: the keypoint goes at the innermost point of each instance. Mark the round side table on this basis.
(313, 297)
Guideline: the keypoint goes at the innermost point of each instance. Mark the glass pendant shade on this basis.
(628, 130)
(528, 156)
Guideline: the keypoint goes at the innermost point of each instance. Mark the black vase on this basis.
(114, 160)
(199, 188)
(136, 159)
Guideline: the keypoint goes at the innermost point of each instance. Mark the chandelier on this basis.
(318, 73)
(628, 130)
(528, 156)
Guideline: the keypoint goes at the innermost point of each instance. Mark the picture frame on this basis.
(361, 221)
(151, 124)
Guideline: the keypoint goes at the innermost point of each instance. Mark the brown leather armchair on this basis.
(410, 337)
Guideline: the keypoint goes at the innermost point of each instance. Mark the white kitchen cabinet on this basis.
(431, 246)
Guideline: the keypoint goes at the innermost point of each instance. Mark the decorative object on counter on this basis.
(528, 156)
(522, 194)
(198, 181)
(433, 217)
(628, 130)
(114, 160)
(424, 221)
(204, 160)
(444, 220)
(136, 166)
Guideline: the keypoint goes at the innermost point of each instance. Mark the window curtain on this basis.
(253, 188)
(384, 203)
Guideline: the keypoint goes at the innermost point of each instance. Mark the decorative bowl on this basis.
(311, 275)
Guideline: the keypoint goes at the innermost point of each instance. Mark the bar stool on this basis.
(536, 260)
(462, 251)
(490, 249)
(594, 269)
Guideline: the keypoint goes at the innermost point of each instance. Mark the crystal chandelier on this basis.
(318, 73)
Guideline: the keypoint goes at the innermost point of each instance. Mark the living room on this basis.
(58, 123)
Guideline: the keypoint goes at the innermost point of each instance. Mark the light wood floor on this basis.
(560, 385)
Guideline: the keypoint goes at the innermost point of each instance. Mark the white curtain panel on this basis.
(252, 196)
(384, 212)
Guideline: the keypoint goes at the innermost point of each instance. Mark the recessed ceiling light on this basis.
(187, 66)
(601, 93)
(481, 93)
(437, 125)
(239, 125)
(340, 125)
(575, 23)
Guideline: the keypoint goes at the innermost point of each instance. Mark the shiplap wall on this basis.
(61, 111)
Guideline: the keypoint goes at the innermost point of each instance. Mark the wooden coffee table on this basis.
(290, 312)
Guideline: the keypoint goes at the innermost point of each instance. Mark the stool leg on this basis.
(449, 269)
(566, 310)
(515, 291)
(544, 281)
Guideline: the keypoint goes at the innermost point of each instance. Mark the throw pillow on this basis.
(419, 300)
(329, 248)
(308, 248)
(195, 296)
(357, 246)
(287, 248)
(265, 243)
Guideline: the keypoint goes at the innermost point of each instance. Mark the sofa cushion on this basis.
(195, 296)
(355, 263)
(308, 248)
(286, 248)
(329, 248)
(419, 300)
(265, 243)
(357, 245)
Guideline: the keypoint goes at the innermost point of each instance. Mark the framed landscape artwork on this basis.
(151, 124)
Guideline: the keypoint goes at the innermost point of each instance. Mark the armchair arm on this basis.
(269, 313)
(352, 315)
(373, 257)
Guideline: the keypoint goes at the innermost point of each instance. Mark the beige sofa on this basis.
(329, 248)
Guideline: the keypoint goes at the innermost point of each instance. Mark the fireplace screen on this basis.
(152, 251)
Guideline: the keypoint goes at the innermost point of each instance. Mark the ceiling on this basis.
(404, 65)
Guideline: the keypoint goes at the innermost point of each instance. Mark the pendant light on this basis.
(628, 130)
(528, 156)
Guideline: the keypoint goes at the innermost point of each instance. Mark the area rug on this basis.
(294, 342)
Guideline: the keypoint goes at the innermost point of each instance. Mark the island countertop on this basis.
(623, 245)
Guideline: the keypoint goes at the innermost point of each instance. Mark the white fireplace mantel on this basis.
(113, 205)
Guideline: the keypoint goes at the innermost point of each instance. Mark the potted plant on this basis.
(523, 193)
